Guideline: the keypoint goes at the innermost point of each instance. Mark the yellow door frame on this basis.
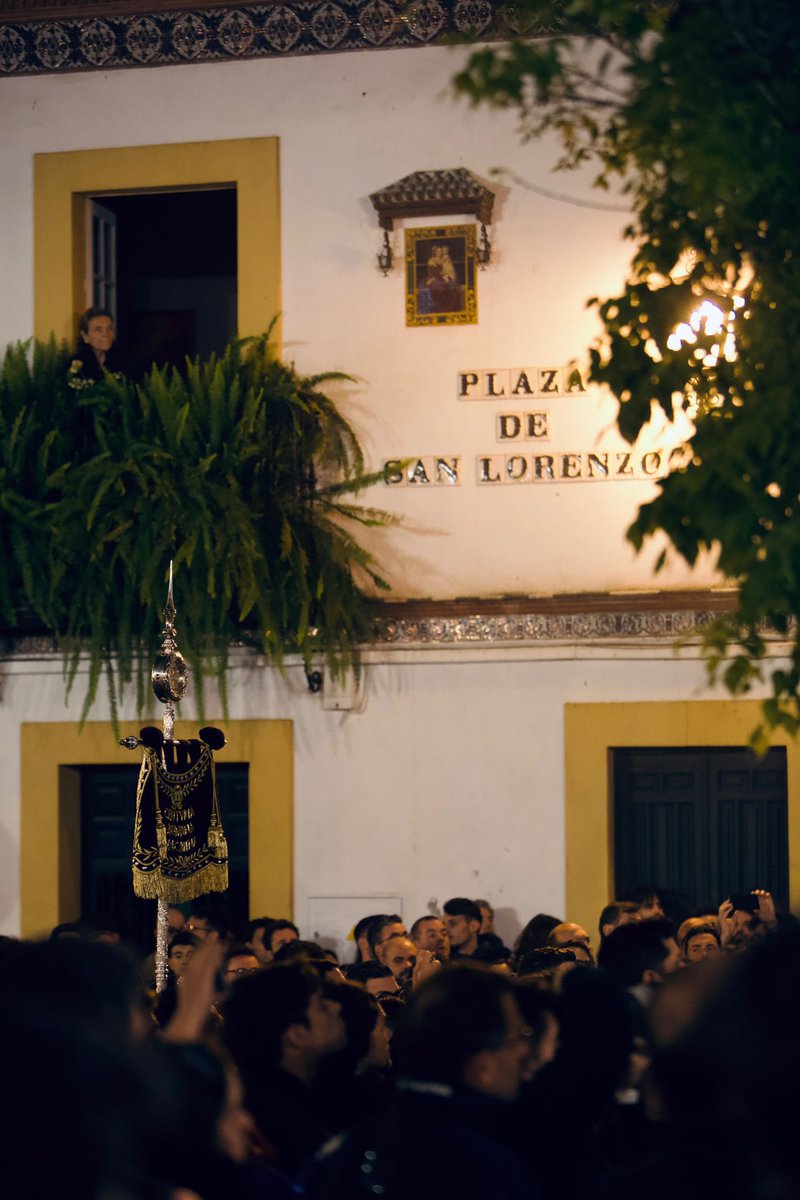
(591, 731)
(51, 752)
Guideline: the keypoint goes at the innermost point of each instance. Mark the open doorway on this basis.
(165, 262)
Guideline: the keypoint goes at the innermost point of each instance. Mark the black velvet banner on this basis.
(179, 847)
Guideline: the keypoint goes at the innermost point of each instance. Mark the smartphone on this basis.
(744, 902)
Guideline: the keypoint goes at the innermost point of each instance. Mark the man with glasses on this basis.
(201, 926)
(382, 928)
(239, 962)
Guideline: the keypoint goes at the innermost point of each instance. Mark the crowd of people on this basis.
(645, 1058)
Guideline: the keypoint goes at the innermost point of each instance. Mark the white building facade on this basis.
(473, 758)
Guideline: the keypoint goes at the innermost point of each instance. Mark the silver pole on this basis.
(170, 679)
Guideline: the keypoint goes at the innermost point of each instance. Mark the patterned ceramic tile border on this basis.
(91, 41)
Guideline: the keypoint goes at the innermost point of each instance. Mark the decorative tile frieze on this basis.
(190, 35)
(143, 40)
(98, 42)
(376, 22)
(472, 17)
(12, 50)
(59, 36)
(426, 20)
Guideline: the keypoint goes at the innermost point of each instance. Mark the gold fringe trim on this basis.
(152, 886)
(217, 842)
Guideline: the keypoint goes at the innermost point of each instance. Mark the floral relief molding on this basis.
(563, 620)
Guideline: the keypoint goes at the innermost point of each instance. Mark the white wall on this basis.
(348, 125)
(451, 780)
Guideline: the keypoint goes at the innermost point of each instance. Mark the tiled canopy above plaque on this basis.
(433, 194)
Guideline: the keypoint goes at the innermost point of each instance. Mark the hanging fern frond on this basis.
(235, 468)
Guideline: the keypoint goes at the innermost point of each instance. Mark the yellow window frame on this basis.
(63, 180)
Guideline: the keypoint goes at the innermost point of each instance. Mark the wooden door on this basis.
(101, 256)
(701, 822)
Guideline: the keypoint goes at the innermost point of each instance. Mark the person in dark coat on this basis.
(95, 352)
(280, 1025)
(462, 1050)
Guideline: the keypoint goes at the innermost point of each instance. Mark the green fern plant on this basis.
(37, 435)
(239, 469)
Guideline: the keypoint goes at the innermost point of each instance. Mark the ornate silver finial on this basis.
(170, 611)
(170, 674)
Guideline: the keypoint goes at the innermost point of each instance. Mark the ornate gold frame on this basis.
(453, 297)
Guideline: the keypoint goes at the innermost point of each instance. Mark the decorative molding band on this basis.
(483, 630)
(625, 618)
(542, 627)
(47, 37)
(13, 645)
(581, 619)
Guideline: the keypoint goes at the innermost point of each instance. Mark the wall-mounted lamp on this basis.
(483, 250)
(384, 255)
(313, 680)
(434, 194)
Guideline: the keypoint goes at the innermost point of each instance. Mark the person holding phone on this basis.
(745, 917)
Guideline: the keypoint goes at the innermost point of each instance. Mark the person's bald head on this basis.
(575, 938)
(399, 954)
